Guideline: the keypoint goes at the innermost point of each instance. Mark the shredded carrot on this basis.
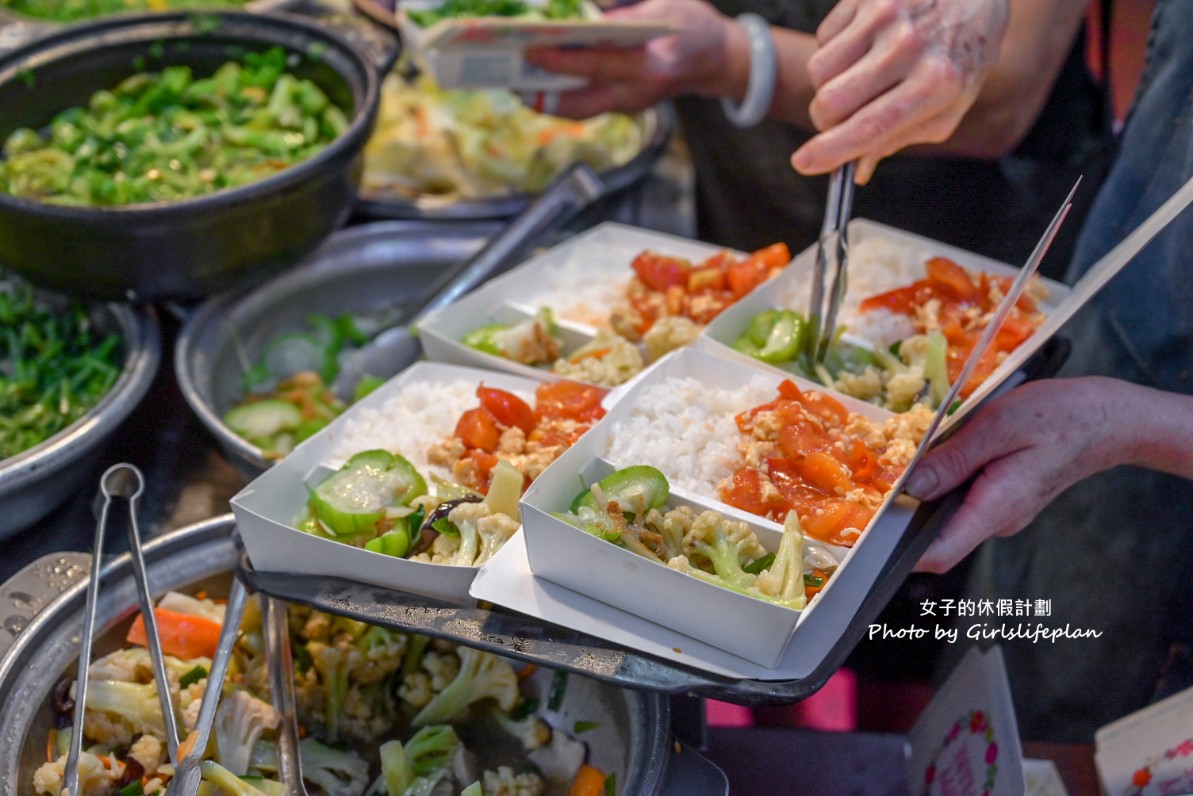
(51, 741)
(589, 781)
(201, 595)
(527, 670)
(182, 635)
(595, 353)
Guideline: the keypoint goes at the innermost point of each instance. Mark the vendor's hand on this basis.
(891, 73)
(1025, 448)
(629, 80)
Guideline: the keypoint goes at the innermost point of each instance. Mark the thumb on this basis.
(952, 463)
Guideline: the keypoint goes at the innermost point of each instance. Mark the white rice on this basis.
(577, 291)
(422, 414)
(686, 429)
(875, 266)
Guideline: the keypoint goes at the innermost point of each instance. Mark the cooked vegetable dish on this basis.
(380, 711)
(54, 367)
(75, 10)
(456, 9)
(169, 135)
(629, 509)
(475, 144)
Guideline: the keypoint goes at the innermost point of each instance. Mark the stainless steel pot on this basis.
(632, 739)
(190, 247)
(372, 269)
(35, 481)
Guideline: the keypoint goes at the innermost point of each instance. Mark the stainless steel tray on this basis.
(659, 123)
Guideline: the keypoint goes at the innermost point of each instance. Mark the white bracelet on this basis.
(764, 68)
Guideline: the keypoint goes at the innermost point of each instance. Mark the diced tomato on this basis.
(659, 272)
(746, 493)
(902, 300)
(776, 255)
(951, 280)
(706, 279)
(745, 276)
(821, 471)
(507, 408)
(721, 261)
(485, 462)
(833, 517)
(829, 410)
(478, 429)
(181, 635)
(569, 400)
(790, 390)
(801, 437)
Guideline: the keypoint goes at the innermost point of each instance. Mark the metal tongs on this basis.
(822, 321)
(125, 481)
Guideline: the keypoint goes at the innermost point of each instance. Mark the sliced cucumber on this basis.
(263, 419)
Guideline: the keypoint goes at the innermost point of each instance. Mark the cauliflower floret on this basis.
(443, 550)
(190, 699)
(437, 669)
(626, 321)
(865, 386)
(609, 360)
(155, 785)
(727, 545)
(481, 676)
(904, 389)
(673, 527)
(95, 779)
(504, 782)
(148, 751)
(317, 627)
(240, 722)
(669, 333)
(415, 690)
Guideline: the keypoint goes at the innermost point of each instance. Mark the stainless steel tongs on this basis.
(125, 481)
(822, 320)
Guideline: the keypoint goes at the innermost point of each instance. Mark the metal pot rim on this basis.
(81, 40)
(222, 305)
(142, 339)
(653, 759)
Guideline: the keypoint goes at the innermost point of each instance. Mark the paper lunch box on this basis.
(489, 52)
(754, 630)
(883, 257)
(581, 280)
(267, 508)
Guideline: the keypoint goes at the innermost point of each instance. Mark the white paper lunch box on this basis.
(750, 629)
(580, 280)
(267, 508)
(489, 52)
(875, 246)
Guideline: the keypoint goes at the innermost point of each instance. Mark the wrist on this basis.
(728, 72)
(763, 76)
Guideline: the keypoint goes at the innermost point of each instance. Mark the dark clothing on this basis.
(748, 195)
(1115, 552)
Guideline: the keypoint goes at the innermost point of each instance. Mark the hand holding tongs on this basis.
(125, 481)
(822, 321)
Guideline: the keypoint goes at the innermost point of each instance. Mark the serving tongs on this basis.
(396, 348)
(126, 482)
(276, 631)
(822, 320)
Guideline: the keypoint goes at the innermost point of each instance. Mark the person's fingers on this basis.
(584, 103)
(1001, 502)
(598, 65)
(870, 130)
(837, 20)
(851, 44)
(889, 62)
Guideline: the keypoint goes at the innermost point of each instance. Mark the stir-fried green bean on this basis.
(74, 10)
(166, 135)
(54, 366)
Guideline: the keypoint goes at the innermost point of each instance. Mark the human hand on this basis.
(628, 80)
(891, 73)
(1025, 448)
